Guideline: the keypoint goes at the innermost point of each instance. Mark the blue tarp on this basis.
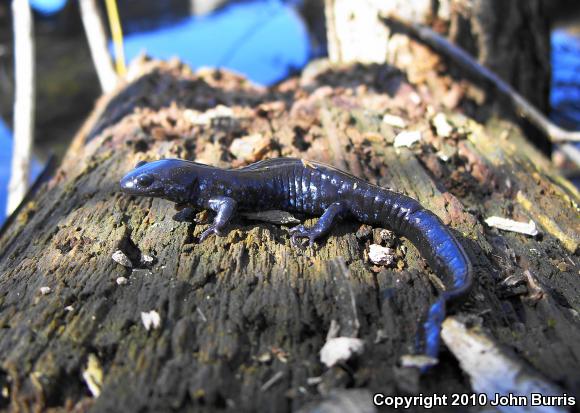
(264, 40)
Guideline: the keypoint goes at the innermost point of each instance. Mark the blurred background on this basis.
(266, 40)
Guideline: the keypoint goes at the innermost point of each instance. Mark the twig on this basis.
(98, 44)
(117, 34)
(201, 314)
(571, 152)
(273, 380)
(467, 62)
(23, 102)
(490, 368)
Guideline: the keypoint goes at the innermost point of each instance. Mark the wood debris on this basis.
(45, 290)
(418, 360)
(340, 349)
(147, 259)
(250, 148)
(93, 375)
(535, 291)
(442, 125)
(121, 258)
(273, 380)
(151, 320)
(407, 138)
(491, 369)
(273, 216)
(395, 121)
(528, 228)
(201, 314)
(381, 255)
(206, 118)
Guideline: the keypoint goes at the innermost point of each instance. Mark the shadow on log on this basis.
(242, 318)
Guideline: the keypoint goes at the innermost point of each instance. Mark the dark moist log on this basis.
(238, 322)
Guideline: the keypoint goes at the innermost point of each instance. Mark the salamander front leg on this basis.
(224, 208)
(322, 227)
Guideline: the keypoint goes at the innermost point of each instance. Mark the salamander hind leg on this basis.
(322, 227)
(224, 208)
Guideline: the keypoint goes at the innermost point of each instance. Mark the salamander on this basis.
(314, 188)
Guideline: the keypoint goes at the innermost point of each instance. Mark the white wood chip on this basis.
(407, 138)
(442, 125)
(93, 375)
(146, 259)
(419, 361)
(205, 118)
(151, 320)
(121, 281)
(120, 258)
(313, 381)
(340, 349)
(528, 228)
(249, 146)
(395, 121)
(45, 290)
(381, 255)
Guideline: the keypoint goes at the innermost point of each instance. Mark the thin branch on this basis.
(571, 152)
(467, 62)
(117, 34)
(98, 44)
(23, 102)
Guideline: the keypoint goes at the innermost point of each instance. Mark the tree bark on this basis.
(244, 316)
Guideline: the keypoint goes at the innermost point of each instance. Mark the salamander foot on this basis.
(213, 229)
(301, 231)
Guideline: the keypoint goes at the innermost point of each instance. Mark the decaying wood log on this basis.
(237, 323)
(509, 38)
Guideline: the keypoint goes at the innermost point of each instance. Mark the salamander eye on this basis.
(145, 180)
(140, 164)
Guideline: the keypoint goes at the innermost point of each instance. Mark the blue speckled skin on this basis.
(313, 188)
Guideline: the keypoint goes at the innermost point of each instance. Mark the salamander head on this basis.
(172, 179)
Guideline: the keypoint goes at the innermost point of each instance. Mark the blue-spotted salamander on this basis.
(312, 188)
